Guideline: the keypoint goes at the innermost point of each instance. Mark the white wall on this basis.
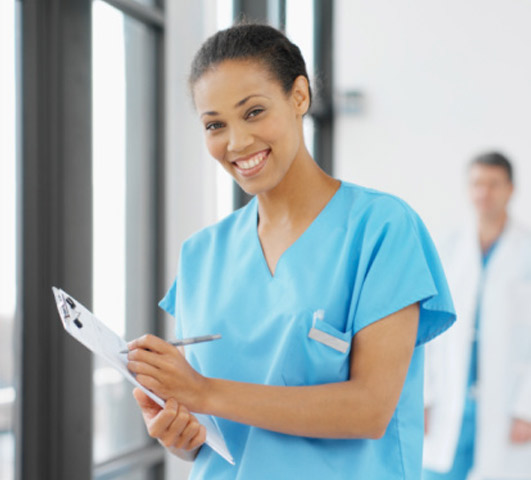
(443, 80)
(190, 175)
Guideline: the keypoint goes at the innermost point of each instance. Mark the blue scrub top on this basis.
(365, 256)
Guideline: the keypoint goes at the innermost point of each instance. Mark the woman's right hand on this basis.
(174, 426)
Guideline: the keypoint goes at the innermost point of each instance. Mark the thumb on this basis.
(144, 402)
(171, 405)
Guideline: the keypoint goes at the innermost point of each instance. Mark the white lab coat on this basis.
(504, 363)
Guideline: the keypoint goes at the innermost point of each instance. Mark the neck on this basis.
(490, 228)
(304, 187)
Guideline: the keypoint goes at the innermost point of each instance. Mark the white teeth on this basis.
(252, 162)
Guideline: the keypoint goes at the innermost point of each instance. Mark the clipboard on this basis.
(101, 340)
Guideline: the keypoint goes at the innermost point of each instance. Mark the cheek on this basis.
(215, 146)
(278, 130)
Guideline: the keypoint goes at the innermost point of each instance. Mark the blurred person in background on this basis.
(478, 375)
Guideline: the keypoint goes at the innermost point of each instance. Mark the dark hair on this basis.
(494, 159)
(254, 42)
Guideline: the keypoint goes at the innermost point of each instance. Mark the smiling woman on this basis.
(324, 293)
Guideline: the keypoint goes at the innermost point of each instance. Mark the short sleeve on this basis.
(403, 268)
(169, 302)
(170, 305)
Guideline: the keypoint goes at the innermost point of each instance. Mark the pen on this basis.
(190, 341)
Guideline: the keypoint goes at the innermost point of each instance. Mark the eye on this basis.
(213, 126)
(255, 112)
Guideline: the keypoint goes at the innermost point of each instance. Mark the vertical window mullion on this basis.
(53, 426)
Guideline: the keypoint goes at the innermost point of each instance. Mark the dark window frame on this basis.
(53, 424)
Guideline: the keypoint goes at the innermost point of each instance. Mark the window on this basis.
(7, 239)
(83, 199)
(224, 183)
(300, 30)
(125, 167)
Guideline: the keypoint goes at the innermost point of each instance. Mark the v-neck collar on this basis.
(293, 246)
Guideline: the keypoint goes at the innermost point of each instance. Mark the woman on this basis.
(323, 292)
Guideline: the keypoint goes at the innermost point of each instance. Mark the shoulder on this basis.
(376, 208)
(220, 232)
(519, 230)
(518, 236)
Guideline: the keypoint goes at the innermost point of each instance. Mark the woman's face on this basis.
(252, 127)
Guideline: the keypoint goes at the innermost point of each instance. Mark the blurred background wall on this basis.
(440, 81)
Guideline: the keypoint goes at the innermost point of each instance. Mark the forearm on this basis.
(358, 408)
(336, 410)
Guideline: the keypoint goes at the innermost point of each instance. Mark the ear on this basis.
(300, 93)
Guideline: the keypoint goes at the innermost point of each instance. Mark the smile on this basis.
(253, 164)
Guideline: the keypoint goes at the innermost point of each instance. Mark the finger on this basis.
(149, 382)
(177, 426)
(147, 405)
(141, 398)
(147, 356)
(159, 425)
(143, 368)
(190, 431)
(150, 342)
(199, 439)
(181, 420)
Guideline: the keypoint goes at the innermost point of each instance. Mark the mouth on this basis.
(252, 164)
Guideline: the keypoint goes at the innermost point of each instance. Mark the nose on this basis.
(239, 139)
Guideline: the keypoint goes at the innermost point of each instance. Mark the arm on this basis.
(432, 360)
(358, 408)
(521, 401)
(521, 424)
(521, 409)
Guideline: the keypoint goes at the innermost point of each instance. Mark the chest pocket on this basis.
(316, 352)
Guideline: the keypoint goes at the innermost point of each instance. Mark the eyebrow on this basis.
(238, 104)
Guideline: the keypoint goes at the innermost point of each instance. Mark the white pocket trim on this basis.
(326, 338)
(329, 340)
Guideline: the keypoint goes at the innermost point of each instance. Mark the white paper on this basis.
(101, 340)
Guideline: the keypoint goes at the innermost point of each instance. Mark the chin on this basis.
(251, 190)
(258, 188)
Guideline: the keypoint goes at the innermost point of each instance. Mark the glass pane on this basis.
(149, 3)
(224, 183)
(139, 474)
(300, 29)
(124, 160)
(7, 238)
(224, 13)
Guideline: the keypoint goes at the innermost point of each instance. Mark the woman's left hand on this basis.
(161, 368)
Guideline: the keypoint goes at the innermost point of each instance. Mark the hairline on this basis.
(244, 59)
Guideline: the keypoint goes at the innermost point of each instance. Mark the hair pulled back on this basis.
(252, 42)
